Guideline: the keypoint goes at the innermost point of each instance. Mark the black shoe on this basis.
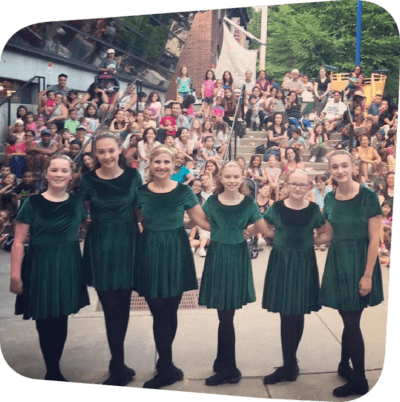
(282, 374)
(162, 379)
(260, 128)
(55, 377)
(178, 371)
(114, 370)
(352, 388)
(218, 366)
(232, 376)
(120, 378)
(345, 371)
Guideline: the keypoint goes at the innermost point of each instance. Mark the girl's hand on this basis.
(365, 286)
(16, 286)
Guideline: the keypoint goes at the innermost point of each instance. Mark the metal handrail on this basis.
(138, 84)
(228, 151)
(8, 99)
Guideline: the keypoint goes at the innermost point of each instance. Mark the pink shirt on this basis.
(209, 88)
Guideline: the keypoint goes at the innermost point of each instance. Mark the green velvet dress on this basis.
(291, 282)
(111, 241)
(165, 266)
(347, 255)
(51, 269)
(227, 282)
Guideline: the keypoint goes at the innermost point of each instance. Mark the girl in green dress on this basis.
(291, 282)
(227, 282)
(352, 278)
(109, 192)
(48, 278)
(165, 266)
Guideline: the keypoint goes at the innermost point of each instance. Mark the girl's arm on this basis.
(261, 226)
(324, 234)
(203, 87)
(374, 225)
(4, 189)
(17, 253)
(131, 102)
(197, 215)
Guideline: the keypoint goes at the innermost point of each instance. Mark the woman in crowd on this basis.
(73, 101)
(291, 161)
(90, 119)
(60, 112)
(109, 192)
(229, 104)
(145, 146)
(369, 157)
(263, 83)
(352, 276)
(95, 96)
(48, 279)
(277, 135)
(183, 143)
(227, 80)
(387, 193)
(322, 89)
(318, 143)
(165, 267)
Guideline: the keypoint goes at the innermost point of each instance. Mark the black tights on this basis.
(52, 337)
(353, 342)
(165, 323)
(292, 327)
(226, 338)
(116, 304)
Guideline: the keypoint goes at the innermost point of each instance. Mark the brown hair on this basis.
(340, 152)
(243, 189)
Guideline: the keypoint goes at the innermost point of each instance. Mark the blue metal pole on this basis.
(358, 33)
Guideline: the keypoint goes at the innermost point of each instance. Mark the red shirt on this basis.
(168, 121)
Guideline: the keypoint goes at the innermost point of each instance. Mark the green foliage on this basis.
(309, 35)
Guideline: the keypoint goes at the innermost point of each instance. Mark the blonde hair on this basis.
(62, 157)
(243, 189)
(158, 150)
(296, 171)
(340, 152)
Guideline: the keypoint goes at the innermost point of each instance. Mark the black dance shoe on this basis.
(178, 371)
(218, 366)
(55, 377)
(120, 378)
(345, 371)
(352, 388)
(231, 376)
(282, 374)
(166, 377)
(114, 370)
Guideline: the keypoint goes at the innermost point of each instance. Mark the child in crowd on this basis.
(19, 130)
(184, 83)
(119, 123)
(72, 123)
(207, 93)
(255, 106)
(273, 174)
(50, 103)
(386, 233)
(263, 201)
(30, 122)
(219, 90)
(379, 181)
(53, 130)
(5, 227)
(255, 171)
(132, 153)
(153, 103)
(90, 119)
(217, 112)
(142, 101)
(189, 164)
(39, 126)
(212, 168)
(4, 170)
(88, 162)
(207, 152)
(26, 188)
(15, 155)
(188, 108)
(206, 130)
(168, 122)
(7, 186)
(297, 141)
(147, 119)
(170, 142)
(145, 146)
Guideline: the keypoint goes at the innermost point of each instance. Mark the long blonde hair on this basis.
(243, 189)
(158, 150)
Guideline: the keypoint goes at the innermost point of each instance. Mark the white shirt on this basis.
(333, 109)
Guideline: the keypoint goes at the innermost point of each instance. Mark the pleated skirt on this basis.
(227, 281)
(53, 284)
(291, 283)
(109, 254)
(164, 264)
(344, 268)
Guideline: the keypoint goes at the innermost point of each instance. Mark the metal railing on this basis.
(234, 128)
(8, 99)
(138, 84)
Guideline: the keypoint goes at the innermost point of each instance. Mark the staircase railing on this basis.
(9, 98)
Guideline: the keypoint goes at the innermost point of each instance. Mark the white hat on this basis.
(110, 51)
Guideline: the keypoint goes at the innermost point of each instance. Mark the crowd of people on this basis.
(148, 175)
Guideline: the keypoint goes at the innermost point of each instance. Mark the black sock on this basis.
(116, 305)
(291, 332)
(52, 337)
(165, 323)
(354, 342)
(226, 338)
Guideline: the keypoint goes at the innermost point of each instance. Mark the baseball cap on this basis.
(82, 127)
(19, 121)
(46, 131)
(110, 51)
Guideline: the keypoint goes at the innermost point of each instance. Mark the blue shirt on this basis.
(180, 177)
(374, 109)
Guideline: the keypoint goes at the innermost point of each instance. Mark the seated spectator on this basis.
(22, 111)
(168, 122)
(88, 162)
(170, 142)
(294, 83)
(319, 192)
(188, 108)
(241, 162)
(207, 152)
(286, 78)
(291, 161)
(373, 109)
(229, 104)
(72, 123)
(322, 89)
(189, 164)
(333, 112)
(153, 103)
(82, 136)
(255, 172)
(113, 94)
(206, 130)
(145, 146)
(221, 140)
(19, 130)
(97, 97)
(263, 84)
(181, 121)
(49, 105)
(73, 101)
(180, 173)
(273, 174)
(307, 94)
(318, 143)
(255, 113)
(391, 159)
(39, 124)
(297, 141)
(128, 102)
(228, 81)
(30, 123)
(357, 176)
(369, 157)
(5, 226)
(277, 136)
(183, 143)
(109, 65)
(387, 193)
(60, 112)
(118, 124)
(7, 186)
(379, 181)
(388, 144)
(142, 101)
(15, 155)
(388, 116)
(60, 87)
(264, 201)
(217, 112)
(293, 107)
(90, 119)
(29, 141)
(26, 188)
(4, 170)
(212, 168)
(132, 151)
(248, 83)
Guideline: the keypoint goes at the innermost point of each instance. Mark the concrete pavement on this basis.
(258, 348)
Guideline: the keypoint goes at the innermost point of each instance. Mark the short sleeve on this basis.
(373, 206)
(26, 214)
(319, 219)
(190, 198)
(269, 215)
(254, 213)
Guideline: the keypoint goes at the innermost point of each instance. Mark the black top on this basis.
(322, 86)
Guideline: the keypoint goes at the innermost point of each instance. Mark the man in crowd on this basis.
(181, 121)
(60, 87)
(333, 111)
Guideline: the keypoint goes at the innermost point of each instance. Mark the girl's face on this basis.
(264, 191)
(88, 161)
(322, 72)
(91, 111)
(319, 130)
(150, 136)
(390, 180)
(385, 105)
(210, 167)
(227, 76)
(320, 184)
(364, 142)
(154, 98)
(10, 179)
(29, 136)
(340, 167)
(273, 92)
(261, 76)
(220, 83)
(356, 170)
(257, 161)
(298, 185)
(357, 111)
(21, 112)
(196, 125)
(207, 125)
(293, 97)
(59, 174)
(218, 101)
(39, 122)
(65, 135)
(271, 161)
(139, 117)
(256, 92)
(120, 116)
(107, 152)
(184, 135)
(386, 209)
(209, 143)
(232, 178)
(384, 170)
(161, 166)
(29, 119)
(290, 155)
(169, 142)
(283, 192)
(73, 95)
(196, 187)
(209, 75)
(184, 71)
(354, 152)
(74, 150)
(3, 217)
(279, 94)
(228, 93)
(278, 119)
(241, 162)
